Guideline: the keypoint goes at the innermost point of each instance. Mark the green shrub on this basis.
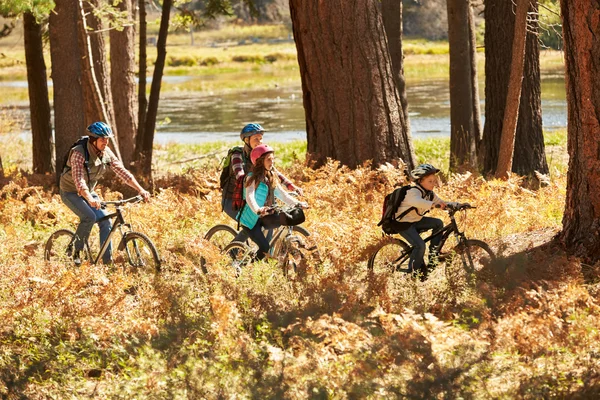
(181, 61)
(208, 61)
(257, 59)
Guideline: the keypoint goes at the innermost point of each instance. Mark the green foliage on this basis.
(39, 8)
(550, 27)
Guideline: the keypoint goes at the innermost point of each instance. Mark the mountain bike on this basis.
(139, 250)
(290, 246)
(393, 254)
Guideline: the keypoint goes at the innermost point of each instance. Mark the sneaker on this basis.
(77, 258)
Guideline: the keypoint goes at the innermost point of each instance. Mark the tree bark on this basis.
(122, 78)
(513, 98)
(392, 22)
(161, 49)
(96, 83)
(464, 136)
(39, 103)
(351, 102)
(66, 76)
(581, 220)
(529, 152)
(142, 100)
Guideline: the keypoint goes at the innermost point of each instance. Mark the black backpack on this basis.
(391, 202)
(226, 163)
(83, 141)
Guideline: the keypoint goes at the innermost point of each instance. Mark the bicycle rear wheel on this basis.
(141, 252)
(220, 235)
(60, 247)
(391, 256)
(238, 255)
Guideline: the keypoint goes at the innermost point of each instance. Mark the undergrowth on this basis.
(528, 328)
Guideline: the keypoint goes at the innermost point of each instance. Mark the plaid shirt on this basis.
(237, 163)
(79, 173)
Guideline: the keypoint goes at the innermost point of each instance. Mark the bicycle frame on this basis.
(118, 223)
(446, 231)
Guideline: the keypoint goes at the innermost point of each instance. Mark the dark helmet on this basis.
(100, 129)
(251, 129)
(422, 171)
(260, 151)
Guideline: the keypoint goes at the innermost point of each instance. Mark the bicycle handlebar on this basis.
(135, 199)
(457, 207)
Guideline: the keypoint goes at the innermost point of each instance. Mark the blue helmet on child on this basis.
(100, 129)
(251, 129)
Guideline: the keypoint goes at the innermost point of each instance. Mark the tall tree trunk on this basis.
(464, 135)
(66, 76)
(391, 10)
(122, 74)
(96, 83)
(477, 129)
(1, 168)
(159, 65)
(352, 105)
(581, 221)
(142, 100)
(39, 103)
(513, 97)
(529, 154)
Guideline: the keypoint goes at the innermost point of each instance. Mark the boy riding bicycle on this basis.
(410, 220)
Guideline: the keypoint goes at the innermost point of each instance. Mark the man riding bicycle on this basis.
(79, 179)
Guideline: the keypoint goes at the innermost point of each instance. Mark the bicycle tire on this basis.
(59, 247)
(239, 255)
(295, 252)
(471, 257)
(221, 235)
(391, 256)
(140, 251)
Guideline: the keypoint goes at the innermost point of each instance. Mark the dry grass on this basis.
(528, 329)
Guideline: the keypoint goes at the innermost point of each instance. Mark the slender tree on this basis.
(581, 220)
(122, 78)
(351, 102)
(39, 104)
(529, 152)
(144, 152)
(511, 111)
(96, 83)
(142, 99)
(391, 10)
(465, 131)
(66, 75)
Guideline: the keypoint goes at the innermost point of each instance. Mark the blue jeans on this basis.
(416, 261)
(88, 216)
(269, 222)
(242, 236)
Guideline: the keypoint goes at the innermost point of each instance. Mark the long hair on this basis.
(261, 174)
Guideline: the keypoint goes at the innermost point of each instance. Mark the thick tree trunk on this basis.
(96, 83)
(159, 65)
(351, 102)
(391, 11)
(529, 154)
(464, 136)
(513, 97)
(581, 221)
(122, 74)
(66, 76)
(39, 103)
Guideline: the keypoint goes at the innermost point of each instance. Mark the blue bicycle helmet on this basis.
(100, 129)
(251, 129)
(422, 171)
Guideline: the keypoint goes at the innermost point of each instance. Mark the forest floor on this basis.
(527, 328)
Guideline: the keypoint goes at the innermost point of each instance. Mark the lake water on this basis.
(191, 117)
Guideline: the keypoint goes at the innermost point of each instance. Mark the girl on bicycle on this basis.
(251, 135)
(78, 181)
(261, 188)
(409, 219)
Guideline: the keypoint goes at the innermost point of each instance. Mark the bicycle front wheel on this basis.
(220, 235)
(391, 256)
(141, 252)
(466, 260)
(238, 255)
